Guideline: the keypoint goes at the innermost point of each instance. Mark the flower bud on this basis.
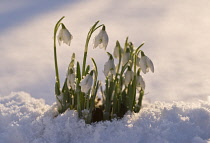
(109, 67)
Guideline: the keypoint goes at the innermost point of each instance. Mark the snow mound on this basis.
(24, 119)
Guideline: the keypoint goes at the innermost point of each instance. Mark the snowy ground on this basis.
(24, 119)
(176, 35)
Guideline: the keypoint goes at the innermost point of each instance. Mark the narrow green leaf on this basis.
(71, 64)
(126, 44)
(78, 73)
(87, 70)
(57, 90)
(138, 49)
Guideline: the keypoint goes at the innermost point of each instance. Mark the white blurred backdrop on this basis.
(176, 35)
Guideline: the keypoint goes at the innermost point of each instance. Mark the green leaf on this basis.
(78, 72)
(138, 49)
(95, 68)
(126, 44)
(87, 70)
(71, 64)
(140, 98)
(57, 90)
(65, 87)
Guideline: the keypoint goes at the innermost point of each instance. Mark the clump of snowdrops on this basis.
(123, 88)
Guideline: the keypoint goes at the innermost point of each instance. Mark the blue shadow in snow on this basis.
(28, 10)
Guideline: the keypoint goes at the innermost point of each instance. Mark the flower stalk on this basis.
(57, 79)
(93, 28)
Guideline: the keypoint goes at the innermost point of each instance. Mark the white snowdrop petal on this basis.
(83, 89)
(142, 82)
(96, 41)
(111, 63)
(101, 40)
(128, 77)
(116, 52)
(109, 67)
(65, 36)
(101, 46)
(150, 64)
(86, 83)
(143, 64)
(59, 37)
(106, 68)
(125, 58)
(112, 67)
(105, 39)
(113, 72)
(90, 82)
(83, 81)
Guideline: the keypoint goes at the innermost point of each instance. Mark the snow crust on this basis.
(24, 119)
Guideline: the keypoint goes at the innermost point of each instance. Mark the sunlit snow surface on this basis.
(24, 119)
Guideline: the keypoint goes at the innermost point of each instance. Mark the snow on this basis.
(29, 120)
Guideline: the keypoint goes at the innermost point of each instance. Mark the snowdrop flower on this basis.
(101, 39)
(129, 75)
(146, 64)
(140, 83)
(116, 50)
(126, 57)
(65, 36)
(71, 79)
(109, 67)
(87, 82)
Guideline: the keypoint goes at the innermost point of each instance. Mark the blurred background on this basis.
(176, 36)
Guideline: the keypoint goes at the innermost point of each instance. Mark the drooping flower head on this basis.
(129, 75)
(146, 64)
(64, 36)
(101, 39)
(86, 82)
(109, 67)
(140, 83)
(117, 50)
(126, 56)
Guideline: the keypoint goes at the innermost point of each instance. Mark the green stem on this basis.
(95, 78)
(57, 80)
(86, 46)
(135, 59)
